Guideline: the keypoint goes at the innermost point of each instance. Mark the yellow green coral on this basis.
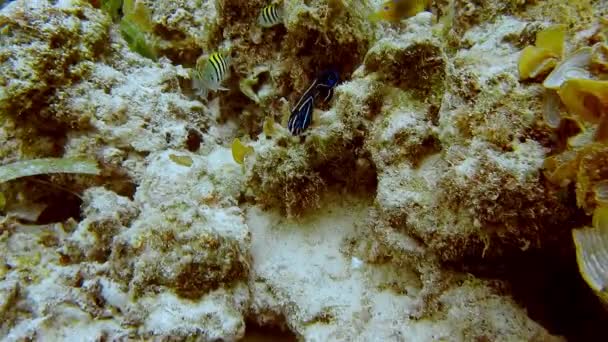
(587, 99)
(541, 58)
(592, 253)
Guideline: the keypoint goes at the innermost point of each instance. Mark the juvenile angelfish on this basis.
(395, 10)
(270, 15)
(210, 72)
(301, 114)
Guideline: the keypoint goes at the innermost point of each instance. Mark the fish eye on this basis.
(386, 8)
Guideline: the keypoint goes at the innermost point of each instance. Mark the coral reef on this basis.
(402, 213)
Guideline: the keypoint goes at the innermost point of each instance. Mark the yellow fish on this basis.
(395, 10)
(240, 151)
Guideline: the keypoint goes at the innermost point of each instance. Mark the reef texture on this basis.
(423, 171)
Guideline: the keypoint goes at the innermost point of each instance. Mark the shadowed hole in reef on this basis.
(548, 285)
(276, 333)
(59, 197)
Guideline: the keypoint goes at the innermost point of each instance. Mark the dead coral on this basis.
(184, 28)
(510, 206)
(503, 319)
(471, 13)
(45, 48)
(418, 66)
(186, 259)
(498, 117)
(283, 179)
(106, 215)
(292, 176)
(315, 28)
(405, 132)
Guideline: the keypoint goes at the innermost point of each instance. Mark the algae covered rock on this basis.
(188, 244)
(45, 47)
(413, 60)
(186, 257)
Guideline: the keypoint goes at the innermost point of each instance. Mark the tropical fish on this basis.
(209, 73)
(301, 114)
(270, 15)
(395, 10)
(240, 151)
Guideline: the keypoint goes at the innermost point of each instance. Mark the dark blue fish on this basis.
(326, 82)
(301, 114)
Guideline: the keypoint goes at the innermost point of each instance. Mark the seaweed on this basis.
(136, 25)
(113, 8)
(33, 167)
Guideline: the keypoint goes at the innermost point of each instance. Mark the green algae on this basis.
(45, 166)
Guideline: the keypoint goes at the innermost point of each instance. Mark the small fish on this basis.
(395, 10)
(209, 73)
(240, 151)
(270, 15)
(301, 114)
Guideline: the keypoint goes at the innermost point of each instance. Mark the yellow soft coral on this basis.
(535, 61)
(599, 60)
(552, 39)
(541, 58)
(587, 99)
(592, 253)
(587, 166)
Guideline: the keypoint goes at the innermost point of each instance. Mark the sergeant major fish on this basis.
(210, 72)
(270, 15)
(301, 114)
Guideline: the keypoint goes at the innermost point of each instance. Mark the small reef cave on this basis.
(547, 283)
(352, 170)
(255, 332)
(57, 198)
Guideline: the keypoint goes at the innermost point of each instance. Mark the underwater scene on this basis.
(304, 170)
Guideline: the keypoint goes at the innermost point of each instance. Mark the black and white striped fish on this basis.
(210, 72)
(270, 15)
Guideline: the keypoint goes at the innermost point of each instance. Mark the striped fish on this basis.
(209, 73)
(301, 114)
(270, 15)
